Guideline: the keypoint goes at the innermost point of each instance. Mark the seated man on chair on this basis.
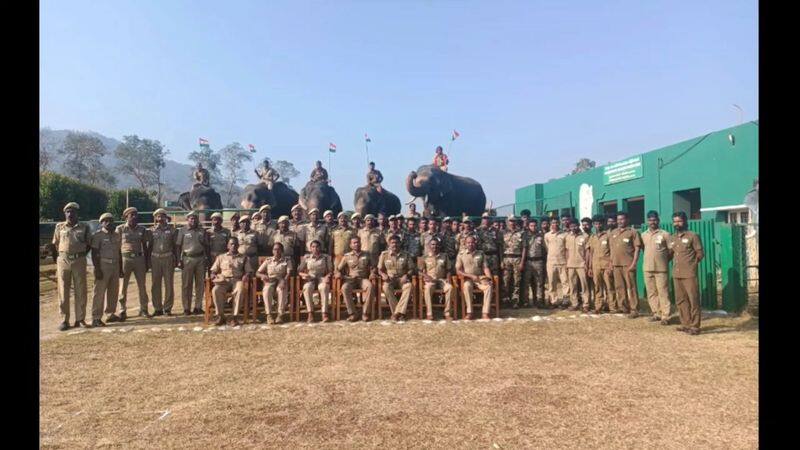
(355, 270)
(275, 271)
(315, 270)
(229, 274)
(436, 276)
(396, 268)
(472, 266)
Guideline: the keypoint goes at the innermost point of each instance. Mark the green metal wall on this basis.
(723, 171)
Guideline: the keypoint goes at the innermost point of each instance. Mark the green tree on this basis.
(82, 154)
(56, 190)
(233, 157)
(137, 198)
(287, 170)
(583, 165)
(143, 159)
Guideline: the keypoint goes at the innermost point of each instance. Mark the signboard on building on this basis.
(629, 169)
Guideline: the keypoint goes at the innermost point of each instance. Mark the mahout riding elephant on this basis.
(368, 200)
(320, 195)
(446, 194)
(200, 198)
(280, 199)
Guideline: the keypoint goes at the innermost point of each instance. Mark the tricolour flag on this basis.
(366, 138)
(455, 135)
(252, 148)
(203, 142)
(332, 147)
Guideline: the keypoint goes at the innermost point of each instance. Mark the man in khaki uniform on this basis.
(436, 275)
(315, 231)
(192, 248)
(432, 232)
(248, 242)
(264, 229)
(371, 239)
(217, 237)
(228, 275)
(577, 265)
(107, 260)
(600, 268)
(136, 245)
(656, 268)
(275, 272)
(355, 270)
(687, 251)
(327, 217)
(291, 242)
(356, 222)
(315, 270)
(396, 267)
(340, 238)
(626, 243)
(71, 240)
(297, 222)
(515, 249)
(534, 274)
(471, 265)
(163, 260)
(555, 243)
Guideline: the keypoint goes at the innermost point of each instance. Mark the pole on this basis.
(127, 203)
(741, 113)
(330, 166)
(366, 144)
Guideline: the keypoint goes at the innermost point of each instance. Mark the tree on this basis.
(56, 190)
(210, 161)
(143, 159)
(287, 170)
(232, 157)
(583, 165)
(82, 153)
(137, 198)
(48, 147)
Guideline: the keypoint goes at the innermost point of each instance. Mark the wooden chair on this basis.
(337, 289)
(208, 300)
(495, 294)
(298, 300)
(414, 307)
(421, 292)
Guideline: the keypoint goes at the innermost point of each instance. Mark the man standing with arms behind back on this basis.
(71, 241)
(656, 266)
(626, 243)
(136, 245)
(687, 252)
(192, 247)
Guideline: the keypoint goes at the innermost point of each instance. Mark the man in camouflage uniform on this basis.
(412, 242)
(394, 228)
(228, 275)
(315, 231)
(107, 260)
(412, 210)
(396, 268)
(71, 241)
(355, 270)
(600, 268)
(315, 270)
(515, 250)
(449, 244)
(192, 248)
(371, 239)
(383, 223)
(248, 243)
(465, 232)
(275, 272)
(491, 243)
(264, 229)
(136, 245)
(163, 261)
(422, 226)
(534, 274)
(471, 265)
(217, 238)
(437, 269)
(340, 238)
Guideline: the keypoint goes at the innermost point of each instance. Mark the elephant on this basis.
(281, 198)
(200, 198)
(445, 193)
(368, 200)
(320, 195)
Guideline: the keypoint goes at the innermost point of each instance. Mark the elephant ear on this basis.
(446, 184)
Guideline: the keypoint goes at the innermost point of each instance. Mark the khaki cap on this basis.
(267, 207)
(412, 218)
(191, 213)
(216, 214)
(312, 211)
(160, 211)
(486, 214)
(513, 218)
(447, 219)
(369, 216)
(341, 214)
(283, 219)
(327, 211)
(105, 216)
(297, 206)
(244, 217)
(355, 216)
(71, 205)
(129, 210)
(466, 219)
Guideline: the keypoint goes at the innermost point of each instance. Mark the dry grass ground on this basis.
(577, 382)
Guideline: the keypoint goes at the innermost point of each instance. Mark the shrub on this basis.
(56, 190)
(137, 198)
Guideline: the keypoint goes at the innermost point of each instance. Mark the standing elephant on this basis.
(200, 198)
(281, 198)
(369, 201)
(320, 195)
(445, 193)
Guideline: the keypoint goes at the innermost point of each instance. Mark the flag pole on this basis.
(330, 166)
(366, 144)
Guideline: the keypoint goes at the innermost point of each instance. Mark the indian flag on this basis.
(366, 138)
(203, 142)
(252, 148)
(455, 135)
(332, 147)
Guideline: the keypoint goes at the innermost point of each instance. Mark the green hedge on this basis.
(137, 198)
(56, 190)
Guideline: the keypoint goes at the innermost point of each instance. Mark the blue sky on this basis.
(532, 86)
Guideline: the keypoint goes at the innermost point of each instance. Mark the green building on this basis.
(707, 177)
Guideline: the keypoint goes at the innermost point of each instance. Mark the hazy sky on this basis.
(532, 86)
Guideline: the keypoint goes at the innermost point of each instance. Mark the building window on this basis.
(634, 206)
(567, 212)
(609, 207)
(738, 216)
(687, 201)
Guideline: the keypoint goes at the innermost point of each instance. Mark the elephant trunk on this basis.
(412, 185)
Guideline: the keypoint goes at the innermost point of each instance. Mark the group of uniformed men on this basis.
(591, 263)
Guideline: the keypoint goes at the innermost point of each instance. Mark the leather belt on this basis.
(162, 255)
(512, 255)
(72, 256)
(195, 255)
(108, 261)
(131, 254)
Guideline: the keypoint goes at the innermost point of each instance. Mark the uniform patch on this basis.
(685, 241)
(625, 240)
